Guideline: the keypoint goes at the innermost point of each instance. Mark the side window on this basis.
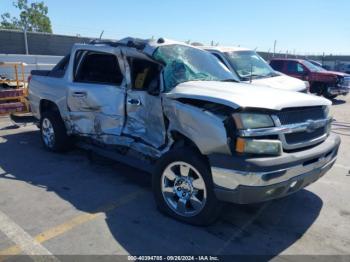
(277, 65)
(144, 75)
(97, 67)
(294, 67)
(300, 68)
(60, 69)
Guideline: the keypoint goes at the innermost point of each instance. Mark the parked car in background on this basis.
(176, 111)
(316, 63)
(252, 68)
(322, 82)
(346, 68)
(342, 67)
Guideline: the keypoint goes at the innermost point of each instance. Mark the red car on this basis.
(322, 82)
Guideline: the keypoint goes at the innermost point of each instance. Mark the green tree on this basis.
(33, 17)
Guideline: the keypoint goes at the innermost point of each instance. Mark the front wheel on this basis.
(183, 187)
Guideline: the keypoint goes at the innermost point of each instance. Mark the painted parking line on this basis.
(23, 240)
(70, 224)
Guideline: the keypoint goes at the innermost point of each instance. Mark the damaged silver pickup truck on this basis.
(179, 113)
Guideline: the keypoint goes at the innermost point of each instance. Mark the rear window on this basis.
(96, 67)
(277, 65)
(60, 69)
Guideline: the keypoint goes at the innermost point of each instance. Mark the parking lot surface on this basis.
(79, 203)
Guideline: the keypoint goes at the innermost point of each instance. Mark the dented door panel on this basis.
(144, 113)
(96, 109)
(145, 118)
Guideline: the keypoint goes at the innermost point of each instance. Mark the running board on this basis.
(113, 155)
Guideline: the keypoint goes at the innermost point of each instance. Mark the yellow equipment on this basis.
(13, 99)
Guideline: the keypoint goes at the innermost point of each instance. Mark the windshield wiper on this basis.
(252, 76)
(229, 80)
(272, 74)
(255, 75)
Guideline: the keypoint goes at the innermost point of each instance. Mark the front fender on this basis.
(206, 130)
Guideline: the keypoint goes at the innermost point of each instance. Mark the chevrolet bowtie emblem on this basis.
(313, 125)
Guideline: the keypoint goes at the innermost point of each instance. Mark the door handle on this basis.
(135, 102)
(79, 94)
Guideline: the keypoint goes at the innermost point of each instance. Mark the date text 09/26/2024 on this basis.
(173, 258)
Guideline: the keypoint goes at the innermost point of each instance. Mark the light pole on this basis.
(26, 41)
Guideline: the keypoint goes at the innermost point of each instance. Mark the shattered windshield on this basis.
(248, 64)
(185, 63)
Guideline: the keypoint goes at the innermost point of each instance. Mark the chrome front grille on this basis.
(313, 133)
(300, 115)
(302, 137)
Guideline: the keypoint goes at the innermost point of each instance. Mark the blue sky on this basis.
(309, 26)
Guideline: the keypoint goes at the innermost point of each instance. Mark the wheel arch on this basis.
(182, 141)
(47, 105)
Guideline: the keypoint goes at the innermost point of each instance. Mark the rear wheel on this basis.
(53, 132)
(183, 188)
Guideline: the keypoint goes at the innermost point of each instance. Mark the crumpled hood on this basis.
(282, 82)
(244, 95)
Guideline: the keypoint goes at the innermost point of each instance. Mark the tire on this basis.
(326, 94)
(177, 195)
(53, 132)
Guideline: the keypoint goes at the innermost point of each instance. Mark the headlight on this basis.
(252, 120)
(255, 146)
(326, 111)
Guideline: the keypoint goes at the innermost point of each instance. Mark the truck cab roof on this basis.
(146, 46)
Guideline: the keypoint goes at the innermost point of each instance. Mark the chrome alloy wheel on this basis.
(48, 133)
(183, 189)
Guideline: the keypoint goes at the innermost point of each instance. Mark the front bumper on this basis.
(244, 180)
(339, 90)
